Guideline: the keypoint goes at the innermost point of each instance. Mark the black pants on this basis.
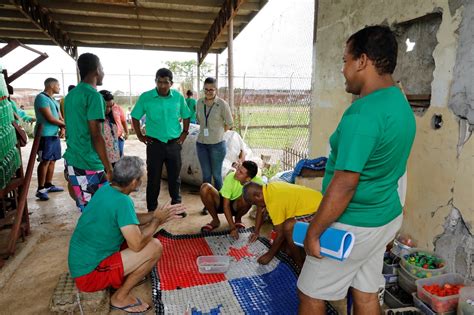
(157, 153)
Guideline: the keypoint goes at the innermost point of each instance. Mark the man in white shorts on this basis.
(369, 152)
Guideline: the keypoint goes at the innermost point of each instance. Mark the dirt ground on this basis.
(28, 279)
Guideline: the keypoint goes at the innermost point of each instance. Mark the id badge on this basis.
(206, 132)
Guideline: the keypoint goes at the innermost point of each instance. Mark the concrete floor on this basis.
(28, 279)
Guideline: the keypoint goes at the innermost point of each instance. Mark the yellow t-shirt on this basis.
(285, 201)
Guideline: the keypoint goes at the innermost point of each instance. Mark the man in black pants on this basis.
(163, 108)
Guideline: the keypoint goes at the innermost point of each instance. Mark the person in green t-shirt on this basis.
(97, 258)
(191, 102)
(369, 153)
(164, 108)
(229, 200)
(49, 150)
(87, 166)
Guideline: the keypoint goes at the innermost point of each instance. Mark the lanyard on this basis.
(206, 113)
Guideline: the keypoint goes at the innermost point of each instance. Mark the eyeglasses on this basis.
(209, 90)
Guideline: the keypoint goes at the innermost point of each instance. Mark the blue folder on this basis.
(335, 243)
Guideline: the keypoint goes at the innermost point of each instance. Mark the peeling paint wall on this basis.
(438, 179)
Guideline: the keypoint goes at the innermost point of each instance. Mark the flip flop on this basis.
(208, 228)
(124, 308)
(240, 226)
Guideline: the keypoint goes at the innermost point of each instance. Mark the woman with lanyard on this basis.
(110, 129)
(214, 117)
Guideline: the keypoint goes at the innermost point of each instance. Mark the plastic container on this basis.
(425, 309)
(406, 281)
(419, 271)
(440, 304)
(466, 301)
(395, 297)
(390, 264)
(403, 310)
(213, 264)
(390, 279)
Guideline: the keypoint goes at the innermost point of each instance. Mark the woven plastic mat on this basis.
(246, 288)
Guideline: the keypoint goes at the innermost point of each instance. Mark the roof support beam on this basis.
(228, 12)
(46, 24)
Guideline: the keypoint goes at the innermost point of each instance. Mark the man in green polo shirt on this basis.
(164, 108)
(369, 152)
(229, 200)
(87, 166)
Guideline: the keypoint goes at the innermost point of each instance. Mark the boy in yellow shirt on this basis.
(285, 203)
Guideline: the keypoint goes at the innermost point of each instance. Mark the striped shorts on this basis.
(84, 183)
(305, 218)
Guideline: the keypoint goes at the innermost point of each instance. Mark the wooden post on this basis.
(198, 77)
(217, 71)
(230, 63)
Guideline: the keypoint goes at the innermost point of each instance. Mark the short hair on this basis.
(127, 169)
(379, 44)
(87, 63)
(108, 96)
(210, 80)
(248, 190)
(164, 72)
(251, 167)
(69, 88)
(50, 81)
(189, 93)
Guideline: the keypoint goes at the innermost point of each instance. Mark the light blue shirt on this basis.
(43, 100)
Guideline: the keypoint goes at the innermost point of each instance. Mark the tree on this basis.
(186, 71)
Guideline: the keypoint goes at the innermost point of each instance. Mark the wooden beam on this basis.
(228, 12)
(17, 25)
(109, 21)
(115, 31)
(79, 38)
(46, 24)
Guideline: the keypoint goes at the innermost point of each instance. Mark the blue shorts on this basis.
(49, 149)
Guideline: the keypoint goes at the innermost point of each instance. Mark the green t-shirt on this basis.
(373, 138)
(20, 112)
(97, 234)
(43, 100)
(232, 188)
(192, 108)
(81, 105)
(162, 114)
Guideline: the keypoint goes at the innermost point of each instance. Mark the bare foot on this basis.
(129, 304)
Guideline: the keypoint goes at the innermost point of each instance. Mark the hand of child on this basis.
(234, 233)
(253, 237)
(265, 259)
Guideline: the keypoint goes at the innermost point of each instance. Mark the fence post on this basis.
(129, 88)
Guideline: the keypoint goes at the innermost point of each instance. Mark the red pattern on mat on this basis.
(178, 268)
(239, 253)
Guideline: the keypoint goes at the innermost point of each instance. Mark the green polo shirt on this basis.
(97, 234)
(81, 105)
(373, 138)
(43, 100)
(163, 114)
(192, 108)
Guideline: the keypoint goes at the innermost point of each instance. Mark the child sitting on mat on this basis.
(285, 203)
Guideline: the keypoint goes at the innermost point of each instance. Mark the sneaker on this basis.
(204, 211)
(43, 196)
(55, 189)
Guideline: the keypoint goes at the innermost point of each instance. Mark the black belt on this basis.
(167, 142)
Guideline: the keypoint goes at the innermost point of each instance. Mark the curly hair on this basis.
(379, 44)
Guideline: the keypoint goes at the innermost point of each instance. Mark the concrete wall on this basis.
(438, 179)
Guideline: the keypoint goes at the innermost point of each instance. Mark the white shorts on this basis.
(329, 279)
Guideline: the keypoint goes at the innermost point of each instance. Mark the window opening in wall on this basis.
(415, 65)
